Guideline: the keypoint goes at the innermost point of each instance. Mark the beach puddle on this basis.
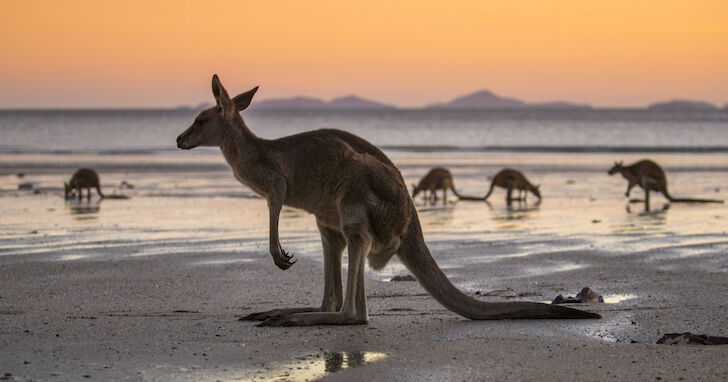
(316, 366)
(617, 298)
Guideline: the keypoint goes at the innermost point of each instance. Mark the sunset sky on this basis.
(163, 53)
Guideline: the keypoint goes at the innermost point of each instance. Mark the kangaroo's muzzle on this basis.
(181, 142)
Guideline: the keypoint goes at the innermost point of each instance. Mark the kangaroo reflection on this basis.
(85, 209)
(341, 360)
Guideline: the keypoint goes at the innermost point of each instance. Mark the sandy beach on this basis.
(150, 288)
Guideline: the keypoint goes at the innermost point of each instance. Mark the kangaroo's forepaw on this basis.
(284, 262)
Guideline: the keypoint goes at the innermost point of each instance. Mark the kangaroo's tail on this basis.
(483, 198)
(689, 200)
(98, 189)
(416, 256)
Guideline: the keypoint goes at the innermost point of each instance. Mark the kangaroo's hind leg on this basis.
(333, 243)
(354, 309)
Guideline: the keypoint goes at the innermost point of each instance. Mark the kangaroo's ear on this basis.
(242, 101)
(224, 103)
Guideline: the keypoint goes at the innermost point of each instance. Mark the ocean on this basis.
(188, 201)
(154, 131)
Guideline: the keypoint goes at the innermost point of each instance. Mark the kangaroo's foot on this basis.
(276, 313)
(282, 259)
(314, 318)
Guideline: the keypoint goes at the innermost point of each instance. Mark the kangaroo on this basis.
(360, 202)
(82, 178)
(650, 177)
(510, 179)
(437, 179)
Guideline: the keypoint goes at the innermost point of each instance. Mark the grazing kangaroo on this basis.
(360, 202)
(510, 180)
(650, 177)
(437, 179)
(83, 178)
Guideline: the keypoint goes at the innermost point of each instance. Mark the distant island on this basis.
(486, 99)
(480, 100)
(350, 102)
(683, 105)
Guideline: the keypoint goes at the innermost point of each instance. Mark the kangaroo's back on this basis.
(650, 175)
(437, 179)
(84, 177)
(510, 178)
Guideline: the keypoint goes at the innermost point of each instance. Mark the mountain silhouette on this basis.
(350, 102)
(682, 105)
(485, 99)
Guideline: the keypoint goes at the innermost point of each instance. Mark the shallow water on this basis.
(204, 209)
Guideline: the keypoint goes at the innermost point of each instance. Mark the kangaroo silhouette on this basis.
(437, 178)
(650, 177)
(509, 179)
(82, 178)
(360, 202)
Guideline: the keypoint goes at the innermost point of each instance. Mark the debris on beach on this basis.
(127, 185)
(586, 296)
(25, 186)
(403, 278)
(688, 338)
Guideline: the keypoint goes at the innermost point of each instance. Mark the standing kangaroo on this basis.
(510, 180)
(650, 177)
(437, 179)
(360, 202)
(83, 178)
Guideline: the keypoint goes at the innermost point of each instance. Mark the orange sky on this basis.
(163, 53)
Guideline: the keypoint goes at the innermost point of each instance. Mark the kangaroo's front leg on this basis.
(333, 243)
(354, 309)
(280, 257)
(629, 188)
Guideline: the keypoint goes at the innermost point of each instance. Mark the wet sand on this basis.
(150, 288)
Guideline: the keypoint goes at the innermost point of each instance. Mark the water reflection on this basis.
(436, 215)
(84, 208)
(617, 298)
(644, 221)
(316, 366)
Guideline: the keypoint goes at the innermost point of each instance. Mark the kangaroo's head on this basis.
(415, 190)
(212, 125)
(536, 191)
(616, 168)
(67, 188)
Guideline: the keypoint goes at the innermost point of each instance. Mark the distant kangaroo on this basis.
(650, 177)
(360, 201)
(437, 179)
(510, 180)
(83, 178)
